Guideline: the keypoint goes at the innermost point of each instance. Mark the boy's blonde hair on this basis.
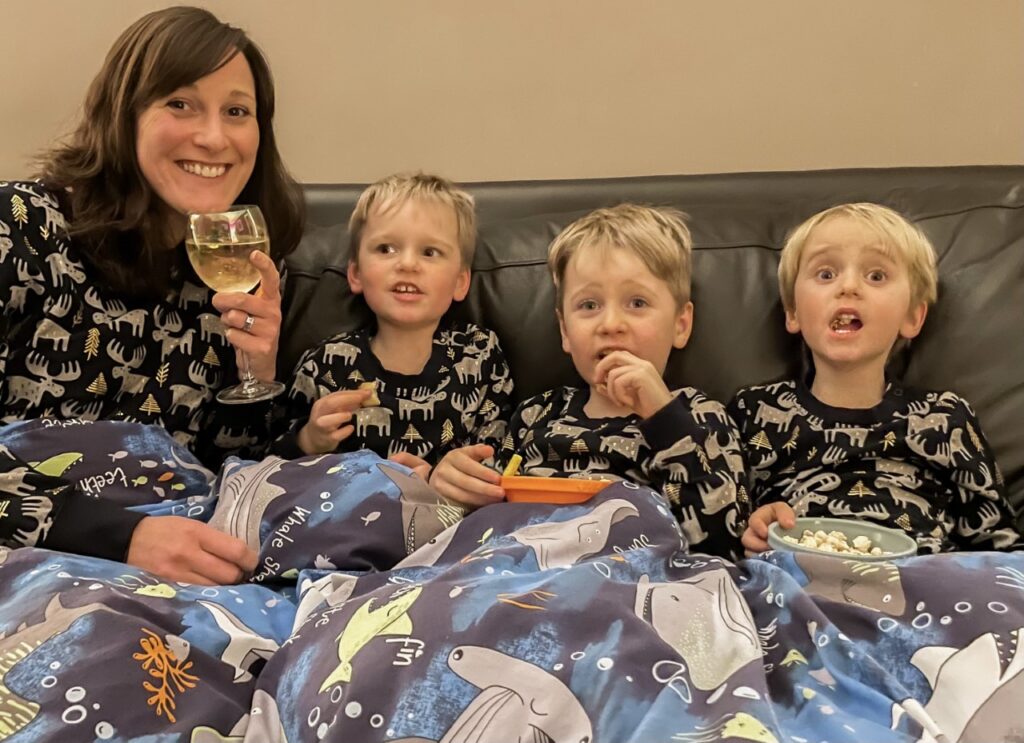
(658, 236)
(396, 190)
(905, 241)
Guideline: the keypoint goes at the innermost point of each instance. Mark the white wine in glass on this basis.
(219, 245)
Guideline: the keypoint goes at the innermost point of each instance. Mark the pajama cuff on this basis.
(669, 425)
(92, 526)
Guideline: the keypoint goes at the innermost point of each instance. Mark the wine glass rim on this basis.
(232, 210)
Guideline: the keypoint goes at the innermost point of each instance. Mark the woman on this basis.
(104, 319)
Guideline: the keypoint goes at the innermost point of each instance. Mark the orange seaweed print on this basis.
(159, 661)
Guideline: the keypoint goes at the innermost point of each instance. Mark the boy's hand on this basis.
(461, 477)
(330, 421)
(633, 382)
(755, 538)
(417, 464)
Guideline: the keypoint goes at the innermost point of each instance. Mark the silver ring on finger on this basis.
(249, 322)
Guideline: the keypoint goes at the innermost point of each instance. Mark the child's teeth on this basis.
(842, 321)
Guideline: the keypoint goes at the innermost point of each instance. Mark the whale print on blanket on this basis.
(491, 630)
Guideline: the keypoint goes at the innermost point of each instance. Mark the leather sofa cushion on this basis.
(972, 339)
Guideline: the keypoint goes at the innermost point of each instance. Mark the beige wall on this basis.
(482, 90)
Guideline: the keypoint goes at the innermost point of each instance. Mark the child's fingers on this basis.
(622, 382)
(759, 521)
(342, 400)
(462, 488)
(332, 422)
(611, 361)
(479, 452)
(477, 486)
(784, 514)
(467, 462)
(480, 472)
(752, 543)
(417, 464)
(342, 433)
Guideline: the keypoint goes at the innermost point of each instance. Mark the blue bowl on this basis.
(895, 543)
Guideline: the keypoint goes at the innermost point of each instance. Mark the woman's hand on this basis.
(180, 549)
(259, 337)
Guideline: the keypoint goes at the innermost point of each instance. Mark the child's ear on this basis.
(684, 325)
(792, 324)
(461, 285)
(561, 329)
(354, 282)
(915, 321)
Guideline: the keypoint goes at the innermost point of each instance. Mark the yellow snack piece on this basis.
(372, 401)
(512, 468)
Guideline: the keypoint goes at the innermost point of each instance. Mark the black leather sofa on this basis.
(973, 341)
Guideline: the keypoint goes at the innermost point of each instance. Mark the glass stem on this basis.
(248, 380)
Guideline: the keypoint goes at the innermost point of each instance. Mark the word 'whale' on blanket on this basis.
(517, 701)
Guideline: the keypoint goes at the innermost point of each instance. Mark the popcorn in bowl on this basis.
(848, 539)
(836, 541)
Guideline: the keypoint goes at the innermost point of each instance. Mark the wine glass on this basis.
(219, 245)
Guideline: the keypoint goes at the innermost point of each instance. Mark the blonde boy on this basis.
(392, 386)
(622, 278)
(856, 281)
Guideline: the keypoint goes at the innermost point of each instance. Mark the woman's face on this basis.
(197, 146)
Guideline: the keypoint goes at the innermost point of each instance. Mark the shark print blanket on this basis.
(379, 612)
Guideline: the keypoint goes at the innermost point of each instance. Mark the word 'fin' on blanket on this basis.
(367, 623)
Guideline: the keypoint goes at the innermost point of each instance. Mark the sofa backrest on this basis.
(972, 342)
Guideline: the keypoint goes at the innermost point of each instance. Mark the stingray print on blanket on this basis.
(392, 620)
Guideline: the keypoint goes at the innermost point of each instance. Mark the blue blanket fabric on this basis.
(378, 615)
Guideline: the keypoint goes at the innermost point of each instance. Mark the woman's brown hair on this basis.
(116, 216)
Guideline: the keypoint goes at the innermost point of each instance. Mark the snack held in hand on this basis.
(372, 401)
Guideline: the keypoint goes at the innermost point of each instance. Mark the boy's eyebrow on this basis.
(628, 284)
(432, 240)
(817, 251)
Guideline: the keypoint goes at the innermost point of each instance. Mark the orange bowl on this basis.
(558, 490)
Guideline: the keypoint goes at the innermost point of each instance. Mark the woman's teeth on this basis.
(205, 171)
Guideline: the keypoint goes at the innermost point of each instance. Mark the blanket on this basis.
(380, 612)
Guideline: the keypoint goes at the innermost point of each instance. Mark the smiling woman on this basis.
(102, 316)
(197, 146)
